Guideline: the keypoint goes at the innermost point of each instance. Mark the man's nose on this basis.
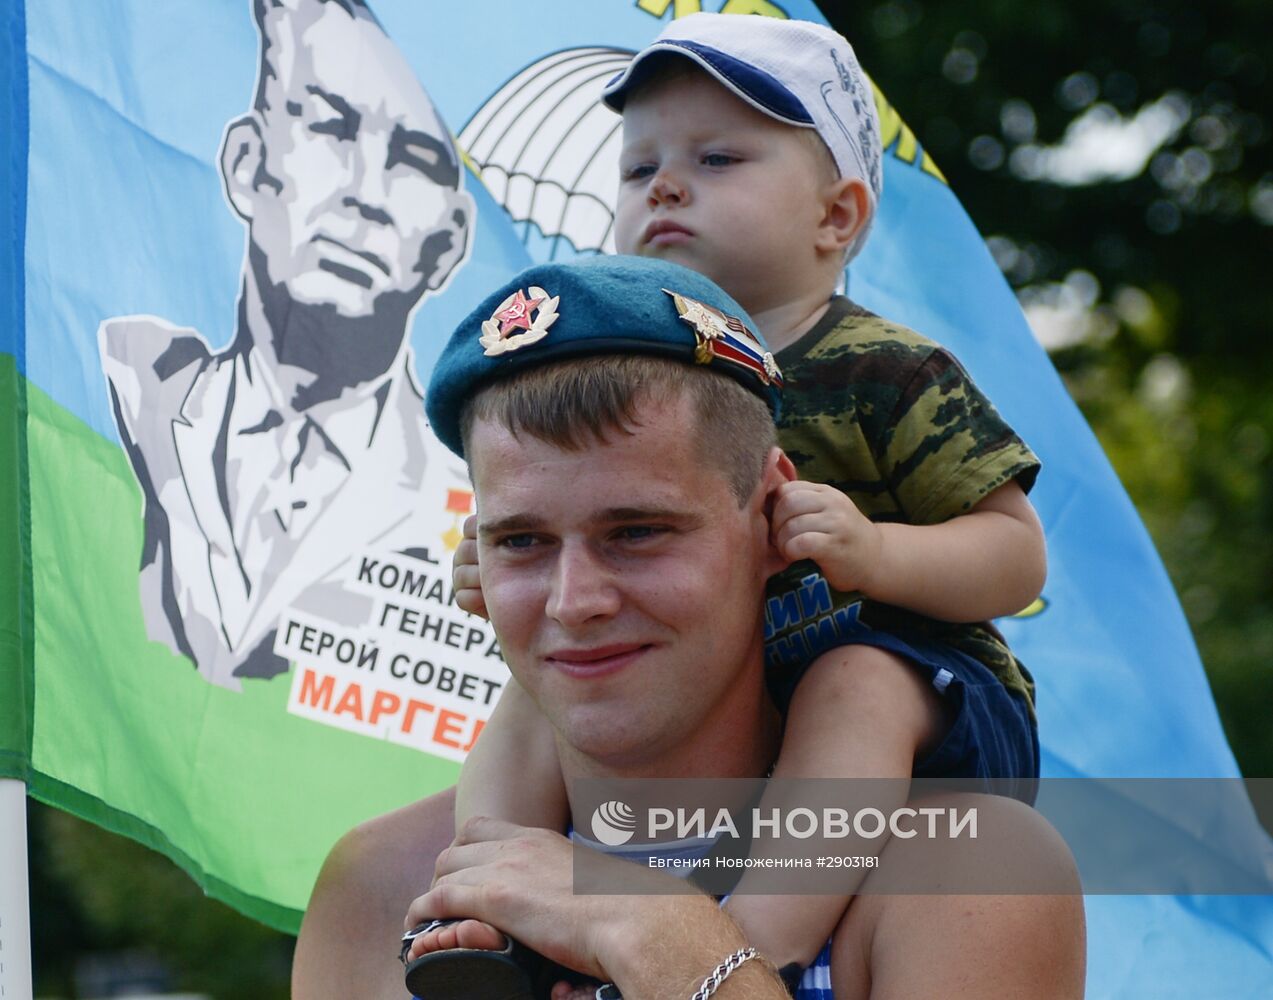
(583, 588)
(370, 181)
(667, 189)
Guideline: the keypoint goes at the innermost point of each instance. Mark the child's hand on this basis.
(818, 522)
(464, 575)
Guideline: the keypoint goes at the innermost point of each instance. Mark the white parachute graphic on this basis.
(547, 149)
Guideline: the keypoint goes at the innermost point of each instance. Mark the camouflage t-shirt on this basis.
(893, 420)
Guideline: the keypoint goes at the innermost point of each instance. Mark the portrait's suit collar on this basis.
(233, 399)
(376, 436)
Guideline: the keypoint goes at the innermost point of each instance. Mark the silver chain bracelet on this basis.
(722, 972)
(711, 984)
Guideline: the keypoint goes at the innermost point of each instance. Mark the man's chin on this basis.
(348, 299)
(343, 301)
(618, 740)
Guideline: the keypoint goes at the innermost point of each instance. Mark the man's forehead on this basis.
(655, 465)
(321, 45)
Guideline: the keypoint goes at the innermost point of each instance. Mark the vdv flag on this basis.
(227, 628)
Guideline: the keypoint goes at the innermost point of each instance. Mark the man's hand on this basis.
(818, 522)
(464, 572)
(520, 879)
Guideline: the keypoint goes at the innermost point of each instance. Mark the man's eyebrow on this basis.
(506, 525)
(611, 515)
(335, 100)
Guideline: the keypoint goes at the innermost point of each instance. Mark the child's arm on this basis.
(983, 564)
(858, 712)
(512, 772)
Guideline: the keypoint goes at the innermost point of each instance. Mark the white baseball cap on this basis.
(798, 72)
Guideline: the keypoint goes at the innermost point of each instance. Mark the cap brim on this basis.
(762, 91)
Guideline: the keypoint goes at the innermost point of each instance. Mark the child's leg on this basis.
(463, 934)
(858, 712)
(512, 771)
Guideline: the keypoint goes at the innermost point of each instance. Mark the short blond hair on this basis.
(583, 401)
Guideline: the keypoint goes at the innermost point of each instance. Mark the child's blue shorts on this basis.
(993, 736)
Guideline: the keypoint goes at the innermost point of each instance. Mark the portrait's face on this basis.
(623, 580)
(707, 181)
(356, 194)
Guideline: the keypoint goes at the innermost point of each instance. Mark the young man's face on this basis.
(624, 582)
(363, 180)
(709, 182)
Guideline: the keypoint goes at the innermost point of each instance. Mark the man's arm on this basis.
(348, 944)
(653, 946)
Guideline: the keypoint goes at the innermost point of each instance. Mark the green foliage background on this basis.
(1159, 278)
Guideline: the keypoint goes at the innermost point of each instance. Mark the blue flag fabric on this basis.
(211, 700)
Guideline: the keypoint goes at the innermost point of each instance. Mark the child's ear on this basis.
(846, 210)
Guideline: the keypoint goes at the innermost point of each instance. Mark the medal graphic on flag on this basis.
(460, 504)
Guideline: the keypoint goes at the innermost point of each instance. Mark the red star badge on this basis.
(516, 315)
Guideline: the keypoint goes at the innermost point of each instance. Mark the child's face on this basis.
(709, 182)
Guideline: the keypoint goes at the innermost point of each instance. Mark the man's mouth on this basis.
(596, 661)
(350, 264)
(665, 232)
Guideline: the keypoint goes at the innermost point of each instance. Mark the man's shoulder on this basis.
(151, 366)
(959, 900)
(153, 348)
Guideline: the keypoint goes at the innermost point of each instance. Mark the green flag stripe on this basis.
(16, 631)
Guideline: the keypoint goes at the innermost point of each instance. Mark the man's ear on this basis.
(445, 250)
(846, 209)
(242, 150)
(778, 470)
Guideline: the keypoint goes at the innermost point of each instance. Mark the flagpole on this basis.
(15, 907)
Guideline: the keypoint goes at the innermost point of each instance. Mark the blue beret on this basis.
(597, 305)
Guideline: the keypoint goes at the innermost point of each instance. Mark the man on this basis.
(624, 482)
(267, 468)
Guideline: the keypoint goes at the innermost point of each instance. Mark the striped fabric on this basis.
(815, 984)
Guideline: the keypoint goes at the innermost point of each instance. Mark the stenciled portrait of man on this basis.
(268, 467)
